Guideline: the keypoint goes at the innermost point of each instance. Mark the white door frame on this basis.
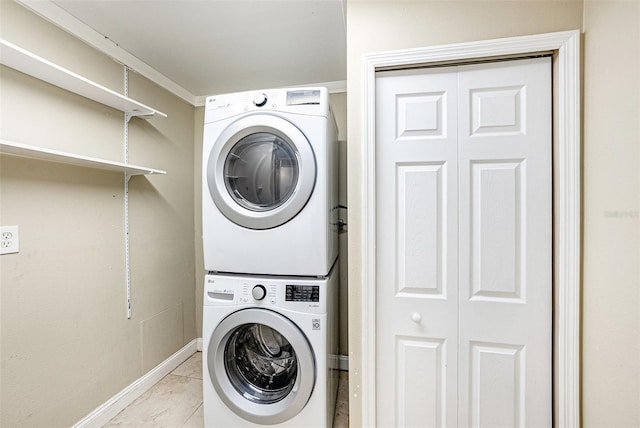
(566, 215)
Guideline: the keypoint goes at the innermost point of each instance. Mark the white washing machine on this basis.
(269, 189)
(268, 351)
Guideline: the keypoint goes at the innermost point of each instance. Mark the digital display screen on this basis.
(297, 98)
(302, 293)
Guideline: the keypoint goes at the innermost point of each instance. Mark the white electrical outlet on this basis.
(9, 239)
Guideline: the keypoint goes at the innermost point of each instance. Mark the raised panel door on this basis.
(417, 259)
(463, 224)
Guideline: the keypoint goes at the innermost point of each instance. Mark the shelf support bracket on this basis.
(127, 177)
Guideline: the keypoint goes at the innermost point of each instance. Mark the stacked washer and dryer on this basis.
(270, 241)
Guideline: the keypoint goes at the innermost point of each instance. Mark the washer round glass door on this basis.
(261, 171)
(261, 365)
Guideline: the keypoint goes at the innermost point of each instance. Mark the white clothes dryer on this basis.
(268, 350)
(269, 188)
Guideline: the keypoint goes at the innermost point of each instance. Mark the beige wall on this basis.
(339, 105)
(611, 299)
(611, 302)
(197, 184)
(66, 344)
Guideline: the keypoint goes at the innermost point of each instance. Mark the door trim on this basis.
(566, 210)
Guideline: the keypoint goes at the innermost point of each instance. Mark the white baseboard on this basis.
(199, 344)
(343, 363)
(339, 362)
(128, 395)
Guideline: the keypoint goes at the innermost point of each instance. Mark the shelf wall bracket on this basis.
(127, 177)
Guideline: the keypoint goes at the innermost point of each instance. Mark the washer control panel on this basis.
(297, 294)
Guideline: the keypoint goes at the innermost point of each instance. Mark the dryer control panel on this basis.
(306, 101)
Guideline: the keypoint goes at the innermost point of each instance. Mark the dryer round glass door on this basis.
(261, 365)
(261, 171)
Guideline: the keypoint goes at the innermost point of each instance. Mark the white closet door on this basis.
(505, 330)
(417, 252)
(463, 214)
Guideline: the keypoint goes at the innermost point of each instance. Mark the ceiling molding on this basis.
(63, 19)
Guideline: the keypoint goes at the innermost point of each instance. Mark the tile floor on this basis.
(176, 401)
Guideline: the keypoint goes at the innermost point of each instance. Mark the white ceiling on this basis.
(216, 46)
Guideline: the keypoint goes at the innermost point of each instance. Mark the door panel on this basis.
(421, 382)
(421, 255)
(496, 229)
(505, 241)
(417, 228)
(463, 218)
(497, 385)
(421, 115)
(497, 110)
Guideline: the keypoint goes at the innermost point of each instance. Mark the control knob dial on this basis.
(258, 292)
(259, 99)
